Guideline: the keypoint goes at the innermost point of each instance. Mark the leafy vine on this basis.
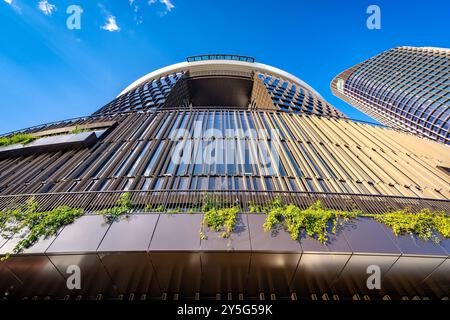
(315, 220)
(21, 138)
(426, 224)
(123, 205)
(34, 223)
(318, 221)
(220, 220)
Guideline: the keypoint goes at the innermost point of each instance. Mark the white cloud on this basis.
(168, 3)
(46, 7)
(111, 24)
(15, 7)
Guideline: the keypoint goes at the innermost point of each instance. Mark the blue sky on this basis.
(50, 73)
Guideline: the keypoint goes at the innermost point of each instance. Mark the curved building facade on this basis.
(240, 131)
(406, 88)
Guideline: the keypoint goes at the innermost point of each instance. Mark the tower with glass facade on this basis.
(406, 88)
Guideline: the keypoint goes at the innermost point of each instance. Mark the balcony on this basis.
(160, 253)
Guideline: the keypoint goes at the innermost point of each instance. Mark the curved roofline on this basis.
(245, 65)
(442, 49)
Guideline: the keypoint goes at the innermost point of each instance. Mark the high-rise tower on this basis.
(406, 88)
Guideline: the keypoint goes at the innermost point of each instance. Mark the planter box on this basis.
(50, 144)
(155, 253)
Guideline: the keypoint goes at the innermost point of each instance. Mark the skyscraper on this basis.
(227, 130)
(406, 88)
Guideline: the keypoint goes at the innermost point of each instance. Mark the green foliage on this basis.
(276, 203)
(175, 210)
(426, 224)
(315, 220)
(159, 208)
(78, 130)
(318, 221)
(209, 203)
(123, 205)
(222, 220)
(33, 223)
(256, 208)
(24, 138)
(21, 138)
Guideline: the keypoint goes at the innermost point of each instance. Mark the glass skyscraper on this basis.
(406, 88)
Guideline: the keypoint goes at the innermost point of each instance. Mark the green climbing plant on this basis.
(319, 222)
(123, 205)
(220, 220)
(150, 208)
(25, 138)
(21, 138)
(426, 224)
(78, 130)
(316, 220)
(208, 203)
(175, 210)
(34, 224)
(265, 208)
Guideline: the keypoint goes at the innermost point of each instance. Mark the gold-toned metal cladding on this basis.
(315, 154)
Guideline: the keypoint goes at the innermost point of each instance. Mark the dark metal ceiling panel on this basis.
(353, 278)
(177, 272)
(10, 285)
(131, 273)
(224, 272)
(271, 272)
(93, 275)
(34, 270)
(317, 272)
(438, 282)
(320, 264)
(37, 274)
(406, 275)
